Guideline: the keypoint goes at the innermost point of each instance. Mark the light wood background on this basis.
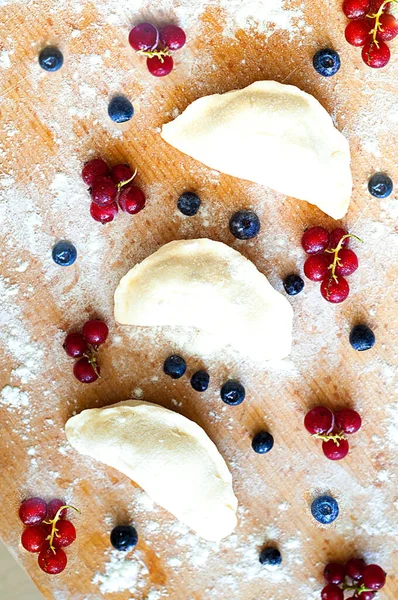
(51, 135)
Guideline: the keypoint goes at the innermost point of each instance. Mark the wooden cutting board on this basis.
(50, 125)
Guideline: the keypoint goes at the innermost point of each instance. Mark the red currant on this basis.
(144, 36)
(33, 511)
(95, 332)
(132, 199)
(53, 507)
(172, 37)
(348, 262)
(319, 420)
(357, 32)
(335, 237)
(374, 577)
(348, 420)
(335, 291)
(159, 67)
(332, 451)
(334, 573)
(33, 538)
(93, 169)
(103, 191)
(356, 9)
(365, 596)
(74, 345)
(120, 173)
(84, 371)
(332, 592)
(52, 562)
(389, 28)
(316, 267)
(376, 57)
(103, 214)
(315, 240)
(65, 534)
(354, 568)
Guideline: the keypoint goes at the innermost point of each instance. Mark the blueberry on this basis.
(120, 109)
(362, 338)
(124, 537)
(51, 58)
(293, 285)
(200, 381)
(325, 509)
(326, 62)
(175, 366)
(232, 392)
(270, 557)
(262, 442)
(380, 185)
(188, 203)
(244, 224)
(64, 253)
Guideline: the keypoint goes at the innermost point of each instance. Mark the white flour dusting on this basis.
(122, 572)
(13, 397)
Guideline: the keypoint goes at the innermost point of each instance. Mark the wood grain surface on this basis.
(44, 132)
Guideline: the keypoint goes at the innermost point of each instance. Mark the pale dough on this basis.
(211, 287)
(169, 456)
(272, 134)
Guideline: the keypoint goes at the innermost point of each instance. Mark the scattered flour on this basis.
(14, 398)
(122, 572)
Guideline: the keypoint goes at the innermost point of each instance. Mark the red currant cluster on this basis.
(321, 422)
(370, 27)
(111, 189)
(157, 45)
(331, 260)
(47, 532)
(84, 346)
(355, 576)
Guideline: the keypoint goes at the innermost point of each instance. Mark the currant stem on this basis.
(53, 522)
(123, 183)
(377, 16)
(355, 588)
(326, 437)
(92, 358)
(336, 260)
(151, 53)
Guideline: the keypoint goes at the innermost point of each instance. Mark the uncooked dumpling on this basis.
(272, 134)
(208, 286)
(168, 455)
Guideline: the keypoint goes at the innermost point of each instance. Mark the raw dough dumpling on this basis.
(168, 455)
(208, 286)
(272, 134)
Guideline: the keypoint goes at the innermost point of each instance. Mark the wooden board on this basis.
(51, 124)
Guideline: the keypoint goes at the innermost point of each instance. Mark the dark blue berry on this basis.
(124, 537)
(362, 338)
(326, 62)
(380, 185)
(120, 109)
(64, 253)
(325, 509)
(200, 381)
(232, 392)
(188, 203)
(270, 557)
(244, 224)
(175, 366)
(51, 58)
(262, 442)
(293, 285)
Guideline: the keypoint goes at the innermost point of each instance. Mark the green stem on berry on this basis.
(336, 260)
(53, 522)
(123, 183)
(151, 53)
(325, 437)
(92, 358)
(355, 588)
(377, 26)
